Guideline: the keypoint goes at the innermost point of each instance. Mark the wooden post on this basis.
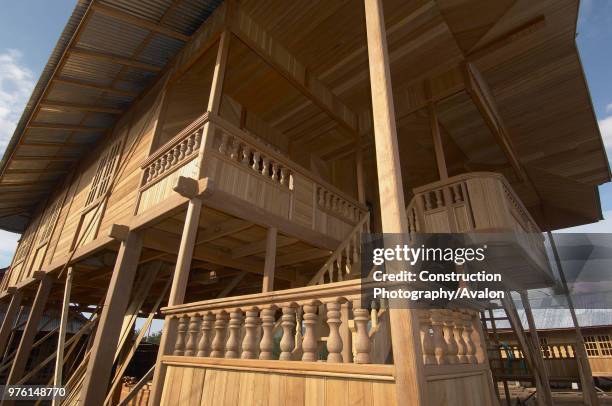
(59, 359)
(100, 363)
(437, 140)
(9, 319)
(270, 262)
(589, 395)
(410, 384)
(30, 330)
(184, 257)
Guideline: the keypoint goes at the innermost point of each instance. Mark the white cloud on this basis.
(16, 84)
(609, 108)
(602, 226)
(8, 245)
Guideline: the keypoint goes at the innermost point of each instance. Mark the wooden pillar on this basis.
(437, 140)
(270, 263)
(184, 257)
(100, 364)
(59, 358)
(9, 319)
(410, 384)
(589, 395)
(30, 330)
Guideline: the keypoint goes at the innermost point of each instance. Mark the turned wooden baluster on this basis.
(328, 200)
(427, 200)
(362, 338)
(437, 325)
(299, 316)
(179, 345)
(284, 177)
(449, 336)
(256, 159)
(246, 155)
(232, 346)
(265, 166)
(275, 170)
(439, 202)
(321, 195)
(206, 335)
(183, 151)
(266, 345)
(461, 344)
(427, 340)
(287, 342)
(223, 147)
(218, 344)
(339, 268)
(334, 341)
(190, 144)
(309, 343)
(234, 150)
(197, 138)
(192, 336)
(467, 336)
(249, 342)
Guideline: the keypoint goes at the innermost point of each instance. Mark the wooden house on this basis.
(215, 164)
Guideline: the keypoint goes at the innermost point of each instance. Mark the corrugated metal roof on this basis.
(102, 37)
(551, 319)
(50, 320)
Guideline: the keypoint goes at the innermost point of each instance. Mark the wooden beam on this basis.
(226, 228)
(410, 384)
(270, 262)
(29, 331)
(89, 85)
(78, 107)
(103, 56)
(281, 60)
(67, 127)
(45, 158)
(437, 141)
(9, 319)
(106, 338)
(59, 358)
(301, 256)
(258, 247)
(231, 285)
(138, 22)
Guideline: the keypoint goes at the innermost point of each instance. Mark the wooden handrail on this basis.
(350, 246)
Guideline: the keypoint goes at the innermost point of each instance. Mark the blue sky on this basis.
(29, 30)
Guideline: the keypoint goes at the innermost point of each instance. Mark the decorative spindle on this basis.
(192, 336)
(179, 346)
(439, 202)
(232, 346)
(427, 343)
(427, 201)
(334, 341)
(321, 193)
(266, 345)
(437, 325)
(265, 166)
(284, 178)
(206, 335)
(275, 169)
(183, 152)
(223, 146)
(461, 344)
(218, 344)
(256, 158)
(235, 149)
(246, 155)
(309, 343)
(449, 337)
(362, 339)
(287, 342)
(249, 343)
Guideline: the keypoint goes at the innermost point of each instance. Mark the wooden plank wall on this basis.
(208, 386)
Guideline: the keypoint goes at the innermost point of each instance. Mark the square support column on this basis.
(100, 364)
(410, 383)
(9, 319)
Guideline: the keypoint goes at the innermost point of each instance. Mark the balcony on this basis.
(246, 169)
(484, 206)
(330, 343)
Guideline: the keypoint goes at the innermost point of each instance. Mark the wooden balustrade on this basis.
(249, 154)
(344, 263)
(484, 203)
(244, 326)
(450, 337)
(336, 204)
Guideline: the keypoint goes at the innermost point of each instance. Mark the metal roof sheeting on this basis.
(107, 38)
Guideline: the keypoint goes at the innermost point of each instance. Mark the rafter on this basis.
(103, 56)
(78, 107)
(258, 247)
(138, 22)
(89, 85)
(67, 127)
